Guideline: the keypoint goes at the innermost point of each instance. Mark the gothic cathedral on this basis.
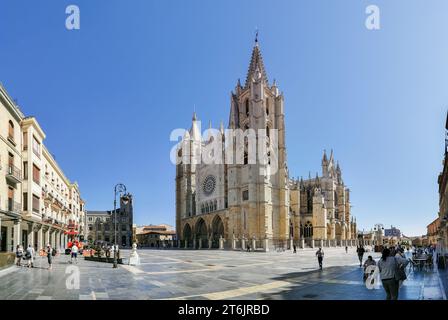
(226, 205)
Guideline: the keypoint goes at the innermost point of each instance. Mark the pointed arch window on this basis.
(267, 131)
(309, 201)
(267, 106)
(247, 107)
(308, 230)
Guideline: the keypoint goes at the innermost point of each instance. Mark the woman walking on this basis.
(389, 274)
(19, 255)
(49, 256)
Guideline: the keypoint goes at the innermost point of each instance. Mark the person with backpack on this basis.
(29, 255)
(320, 257)
(390, 273)
(360, 251)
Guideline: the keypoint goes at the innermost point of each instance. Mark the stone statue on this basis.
(134, 259)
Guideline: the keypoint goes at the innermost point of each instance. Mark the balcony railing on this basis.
(14, 206)
(14, 173)
(11, 139)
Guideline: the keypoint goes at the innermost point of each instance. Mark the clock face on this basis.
(209, 184)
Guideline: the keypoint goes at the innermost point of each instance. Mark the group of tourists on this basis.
(391, 267)
(27, 257)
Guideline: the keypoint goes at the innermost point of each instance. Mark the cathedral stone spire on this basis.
(256, 65)
(195, 130)
(331, 157)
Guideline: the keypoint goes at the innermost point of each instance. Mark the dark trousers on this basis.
(360, 258)
(391, 287)
(319, 259)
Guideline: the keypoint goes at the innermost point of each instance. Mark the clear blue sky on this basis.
(109, 94)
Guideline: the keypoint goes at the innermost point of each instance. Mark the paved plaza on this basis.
(212, 274)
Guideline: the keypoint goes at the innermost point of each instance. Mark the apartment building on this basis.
(38, 204)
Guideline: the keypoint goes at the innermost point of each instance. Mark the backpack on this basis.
(53, 252)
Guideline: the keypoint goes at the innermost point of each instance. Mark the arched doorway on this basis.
(187, 235)
(201, 233)
(308, 232)
(217, 231)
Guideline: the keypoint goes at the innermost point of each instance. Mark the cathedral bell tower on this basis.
(259, 203)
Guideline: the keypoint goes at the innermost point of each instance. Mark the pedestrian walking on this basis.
(360, 251)
(49, 252)
(74, 253)
(403, 261)
(346, 249)
(320, 257)
(367, 263)
(30, 253)
(248, 248)
(295, 248)
(389, 274)
(19, 254)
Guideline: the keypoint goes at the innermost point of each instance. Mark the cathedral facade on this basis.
(229, 204)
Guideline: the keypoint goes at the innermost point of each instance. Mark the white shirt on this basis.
(75, 249)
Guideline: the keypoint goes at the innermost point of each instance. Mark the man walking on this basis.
(320, 257)
(360, 251)
(30, 256)
(74, 253)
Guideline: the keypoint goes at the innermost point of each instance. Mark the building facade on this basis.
(433, 232)
(104, 226)
(442, 241)
(230, 204)
(156, 236)
(392, 232)
(38, 204)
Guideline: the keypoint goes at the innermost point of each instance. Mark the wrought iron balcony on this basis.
(14, 206)
(14, 174)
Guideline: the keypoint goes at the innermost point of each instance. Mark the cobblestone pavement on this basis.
(211, 274)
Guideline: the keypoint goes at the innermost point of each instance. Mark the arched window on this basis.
(267, 107)
(267, 132)
(335, 198)
(247, 107)
(309, 201)
(308, 230)
(215, 205)
(246, 158)
(11, 130)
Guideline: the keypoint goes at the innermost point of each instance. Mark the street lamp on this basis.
(119, 189)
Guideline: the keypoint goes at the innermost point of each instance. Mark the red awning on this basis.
(71, 233)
